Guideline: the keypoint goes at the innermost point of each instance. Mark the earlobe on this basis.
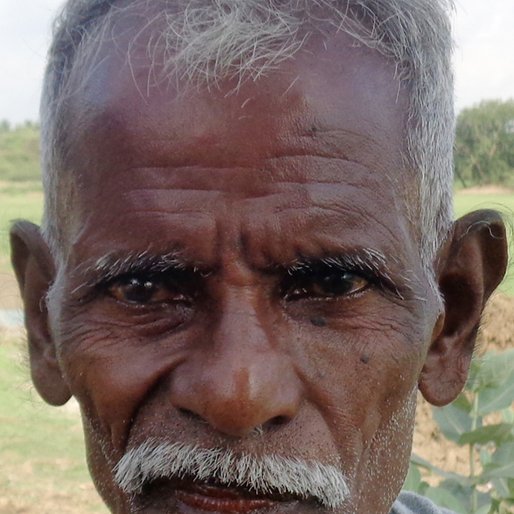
(35, 271)
(469, 268)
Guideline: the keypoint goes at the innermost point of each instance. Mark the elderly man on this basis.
(248, 265)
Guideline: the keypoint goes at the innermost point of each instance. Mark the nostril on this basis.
(272, 424)
(276, 422)
(191, 415)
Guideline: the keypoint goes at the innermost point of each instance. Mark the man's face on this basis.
(241, 274)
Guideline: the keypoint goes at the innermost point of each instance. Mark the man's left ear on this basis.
(469, 267)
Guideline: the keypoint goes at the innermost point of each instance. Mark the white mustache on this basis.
(270, 474)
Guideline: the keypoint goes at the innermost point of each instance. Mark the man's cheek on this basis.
(363, 374)
(111, 372)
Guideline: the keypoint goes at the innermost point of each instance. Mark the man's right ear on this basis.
(35, 271)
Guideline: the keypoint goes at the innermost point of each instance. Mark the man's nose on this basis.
(239, 379)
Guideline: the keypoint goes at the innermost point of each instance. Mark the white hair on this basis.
(207, 40)
(266, 475)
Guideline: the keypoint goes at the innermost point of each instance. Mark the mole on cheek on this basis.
(318, 321)
(365, 359)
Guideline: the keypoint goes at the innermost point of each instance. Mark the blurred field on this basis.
(42, 467)
(466, 202)
(17, 200)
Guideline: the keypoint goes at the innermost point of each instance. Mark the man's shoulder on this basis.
(410, 503)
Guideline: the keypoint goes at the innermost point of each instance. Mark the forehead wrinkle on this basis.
(184, 182)
(106, 113)
(338, 170)
(298, 251)
(332, 221)
(186, 156)
(344, 142)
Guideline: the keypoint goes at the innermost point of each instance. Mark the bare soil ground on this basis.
(9, 292)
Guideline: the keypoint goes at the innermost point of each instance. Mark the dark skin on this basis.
(226, 316)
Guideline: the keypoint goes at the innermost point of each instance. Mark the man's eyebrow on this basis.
(365, 258)
(115, 264)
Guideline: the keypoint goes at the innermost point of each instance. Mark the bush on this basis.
(482, 420)
(484, 146)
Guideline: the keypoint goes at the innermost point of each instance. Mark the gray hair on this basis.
(269, 474)
(206, 40)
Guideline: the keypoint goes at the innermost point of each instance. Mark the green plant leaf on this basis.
(502, 488)
(484, 509)
(498, 434)
(492, 370)
(508, 415)
(463, 403)
(453, 421)
(502, 467)
(445, 498)
(423, 463)
(464, 494)
(504, 454)
(413, 481)
(485, 456)
(504, 470)
(497, 398)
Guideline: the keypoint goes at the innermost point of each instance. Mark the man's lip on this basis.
(216, 498)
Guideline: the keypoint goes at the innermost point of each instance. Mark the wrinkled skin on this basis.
(302, 165)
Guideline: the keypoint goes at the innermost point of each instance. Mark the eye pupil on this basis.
(147, 290)
(138, 291)
(337, 283)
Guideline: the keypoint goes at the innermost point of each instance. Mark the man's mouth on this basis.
(211, 497)
(176, 477)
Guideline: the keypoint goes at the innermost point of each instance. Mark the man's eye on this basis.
(324, 284)
(141, 290)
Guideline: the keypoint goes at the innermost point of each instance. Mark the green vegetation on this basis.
(17, 200)
(482, 420)
(19, 152)
(484, 149)
(20, 181)
(41, 448)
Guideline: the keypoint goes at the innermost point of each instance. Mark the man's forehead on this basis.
(335, 108)
(334, 111)
(327, 82)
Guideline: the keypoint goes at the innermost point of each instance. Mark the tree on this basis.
(484, 147)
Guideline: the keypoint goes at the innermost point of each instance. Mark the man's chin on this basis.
(182, 496)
